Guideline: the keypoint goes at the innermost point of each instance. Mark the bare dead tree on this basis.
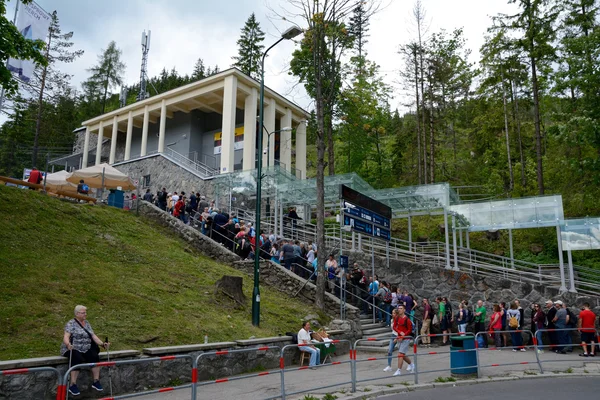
(319, 19)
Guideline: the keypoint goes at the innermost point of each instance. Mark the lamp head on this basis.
(291, 32)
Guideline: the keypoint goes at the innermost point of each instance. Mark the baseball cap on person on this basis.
(560, 303)
(549, 302)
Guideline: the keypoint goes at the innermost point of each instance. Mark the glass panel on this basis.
(520, 213)
(463, 215)
(525, 213)
(503, 215)
(549, 211)
(580, 234)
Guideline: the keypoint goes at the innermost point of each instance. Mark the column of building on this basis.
(228, 125)
(250, 123)
(285, 141)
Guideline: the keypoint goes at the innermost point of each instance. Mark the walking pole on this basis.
(70, 358)
(109, 368)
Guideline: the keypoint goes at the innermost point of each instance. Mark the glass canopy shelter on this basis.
(286, 189)
(238, 190)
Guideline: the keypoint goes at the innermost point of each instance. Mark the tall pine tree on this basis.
(49, 77)
(250, 48)
(108, 73)
(199, 70)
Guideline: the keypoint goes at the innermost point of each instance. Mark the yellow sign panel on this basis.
(238, 132)
(238, 140)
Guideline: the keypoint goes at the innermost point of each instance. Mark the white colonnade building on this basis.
(209, 126)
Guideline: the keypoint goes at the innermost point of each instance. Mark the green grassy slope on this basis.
(138, 281)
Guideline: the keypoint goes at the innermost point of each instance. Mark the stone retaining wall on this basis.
(166, 174)
(431, 282)
(130, 378)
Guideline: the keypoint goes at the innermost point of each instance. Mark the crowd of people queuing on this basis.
(557, 321)
(368, 293)
(506, 321)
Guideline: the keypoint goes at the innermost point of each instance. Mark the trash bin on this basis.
(460, 358)
(116, 198)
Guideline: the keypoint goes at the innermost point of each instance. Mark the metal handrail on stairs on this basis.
(468, 260)
(179, 158)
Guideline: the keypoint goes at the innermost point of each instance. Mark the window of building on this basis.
(146, 181)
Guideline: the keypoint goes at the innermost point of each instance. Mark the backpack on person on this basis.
(387, 297)
(85, 188)
(469, 316)
(513, 322)
(572, 319)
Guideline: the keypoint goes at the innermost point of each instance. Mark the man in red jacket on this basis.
(403, 327)
(35, 177)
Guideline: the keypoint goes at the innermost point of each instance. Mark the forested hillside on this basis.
(518, 117)
(522, 121)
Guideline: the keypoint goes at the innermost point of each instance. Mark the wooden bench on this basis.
(78, 196)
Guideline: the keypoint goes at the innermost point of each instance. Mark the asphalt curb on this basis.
(467, 382)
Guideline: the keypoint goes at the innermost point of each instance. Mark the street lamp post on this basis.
(290, 33)
(286, 129)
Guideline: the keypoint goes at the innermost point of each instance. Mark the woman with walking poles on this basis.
(81, 345)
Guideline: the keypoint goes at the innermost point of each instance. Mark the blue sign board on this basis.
(366, 215)
(344, 262)
(358, 225)
(382, 233)
(366, 222)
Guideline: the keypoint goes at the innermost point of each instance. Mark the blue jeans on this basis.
(538, 338)
(384, 308)
(516, 338)
(315, 354)
(391, 348)
(288, 263)
(563, 339)
(569, 340)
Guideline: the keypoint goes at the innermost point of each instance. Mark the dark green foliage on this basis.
(250, 48)
(106, 75)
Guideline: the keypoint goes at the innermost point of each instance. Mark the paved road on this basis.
(546, 388)
(524, 364)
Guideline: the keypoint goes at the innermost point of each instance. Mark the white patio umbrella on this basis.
(93, 177)
(58, 181)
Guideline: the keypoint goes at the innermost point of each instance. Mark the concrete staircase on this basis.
(376, 331)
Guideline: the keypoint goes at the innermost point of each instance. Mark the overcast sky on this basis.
(184, 30)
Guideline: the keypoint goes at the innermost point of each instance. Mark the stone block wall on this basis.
(139, 377)
(165, 173)
(431, 282)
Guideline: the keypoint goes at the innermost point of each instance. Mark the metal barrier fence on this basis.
(195, 382)
(563, 345)
(431, 353)
(516, 331)
(60, 389)
(335, 363)
(115, 363)
(62, 381)
(387, 357)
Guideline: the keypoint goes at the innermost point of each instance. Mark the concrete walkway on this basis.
(269, 385)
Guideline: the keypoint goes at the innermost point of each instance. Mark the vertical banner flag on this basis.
(33, 23)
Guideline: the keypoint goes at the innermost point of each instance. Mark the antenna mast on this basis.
(143, 73)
